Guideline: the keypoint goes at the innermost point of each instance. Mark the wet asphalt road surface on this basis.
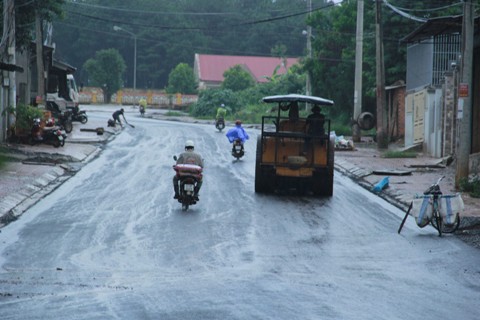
(111, 243)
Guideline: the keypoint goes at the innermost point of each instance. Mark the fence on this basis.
(130, 97)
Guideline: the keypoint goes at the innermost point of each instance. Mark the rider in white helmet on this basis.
(189, 156)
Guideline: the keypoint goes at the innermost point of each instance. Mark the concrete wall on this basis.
(94, 95)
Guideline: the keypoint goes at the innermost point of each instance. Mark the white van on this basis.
(72, 89)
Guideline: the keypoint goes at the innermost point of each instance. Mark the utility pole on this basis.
(464, 115)
(357, 95)
(308, 85)
(7, 97)
(12, 60)
(40, 65)
(382, 140)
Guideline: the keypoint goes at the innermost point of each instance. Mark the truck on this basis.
(290, 156)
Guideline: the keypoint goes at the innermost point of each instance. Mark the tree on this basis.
(209, 100)
(182, 80)
(106, 71)
(237, 79)
(171, 32)
(48, 10)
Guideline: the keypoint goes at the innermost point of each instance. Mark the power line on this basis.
(150, 11)
(198, 28)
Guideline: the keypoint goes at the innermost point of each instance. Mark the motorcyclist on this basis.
(221, 112)
(237, 132)
(189, 156)
(116, 116)
(143, 104)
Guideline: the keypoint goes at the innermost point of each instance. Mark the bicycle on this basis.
(435, 208)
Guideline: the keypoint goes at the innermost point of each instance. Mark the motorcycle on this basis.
(237, 149)
(50, 135)
(64, 118)
(188, 177)
(220, 124)
(79, 115)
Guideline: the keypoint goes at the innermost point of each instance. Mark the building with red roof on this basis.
(209, 68)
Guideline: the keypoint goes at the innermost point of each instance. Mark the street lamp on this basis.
(117, 28)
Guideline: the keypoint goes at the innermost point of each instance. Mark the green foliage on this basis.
(25, 115)
(209, 100)
(471, 186)
(3, 158)
(106, 70)
(253, 113)
(399, 154)
(247, 103)
(237, 79)
(25, 10)
(168, 33)
(174, 114)
(182, 80)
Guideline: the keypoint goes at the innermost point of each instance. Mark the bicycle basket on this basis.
(422, 210)
(450, 207)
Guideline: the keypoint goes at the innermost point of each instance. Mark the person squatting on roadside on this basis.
(237, 132)
(189, 156)
(116, 117)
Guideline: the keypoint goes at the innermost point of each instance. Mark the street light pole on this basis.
(117, 28)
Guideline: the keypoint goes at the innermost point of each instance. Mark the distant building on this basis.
(209, 69)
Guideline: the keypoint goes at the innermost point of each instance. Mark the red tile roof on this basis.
(212, 67)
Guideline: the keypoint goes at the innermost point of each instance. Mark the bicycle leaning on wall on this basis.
(435, 208)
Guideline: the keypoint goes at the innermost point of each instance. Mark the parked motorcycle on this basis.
(50, 135)
(237, 149)
(188, 177)
(220, 124)
(79, 115)
(64, 118)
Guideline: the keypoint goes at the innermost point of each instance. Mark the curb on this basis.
(357, 175)
(16, 204)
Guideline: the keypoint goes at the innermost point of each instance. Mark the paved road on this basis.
(111, 243)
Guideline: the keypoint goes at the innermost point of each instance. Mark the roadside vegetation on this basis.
(399, 154)
(472, 186)
(3, 158)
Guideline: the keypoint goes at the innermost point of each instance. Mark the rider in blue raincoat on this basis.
(237, 133)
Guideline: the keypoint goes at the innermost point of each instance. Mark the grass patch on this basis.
(400, 154)
(174, 114)
(3, 160)
(471, 186)
(3, 157)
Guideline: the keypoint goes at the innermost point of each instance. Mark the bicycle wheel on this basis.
(437, 222)
(451, 228)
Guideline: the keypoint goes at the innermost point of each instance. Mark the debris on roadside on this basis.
(342, 144)
(382, 184)
(47, 161)
(387, 172)
(99, 130)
